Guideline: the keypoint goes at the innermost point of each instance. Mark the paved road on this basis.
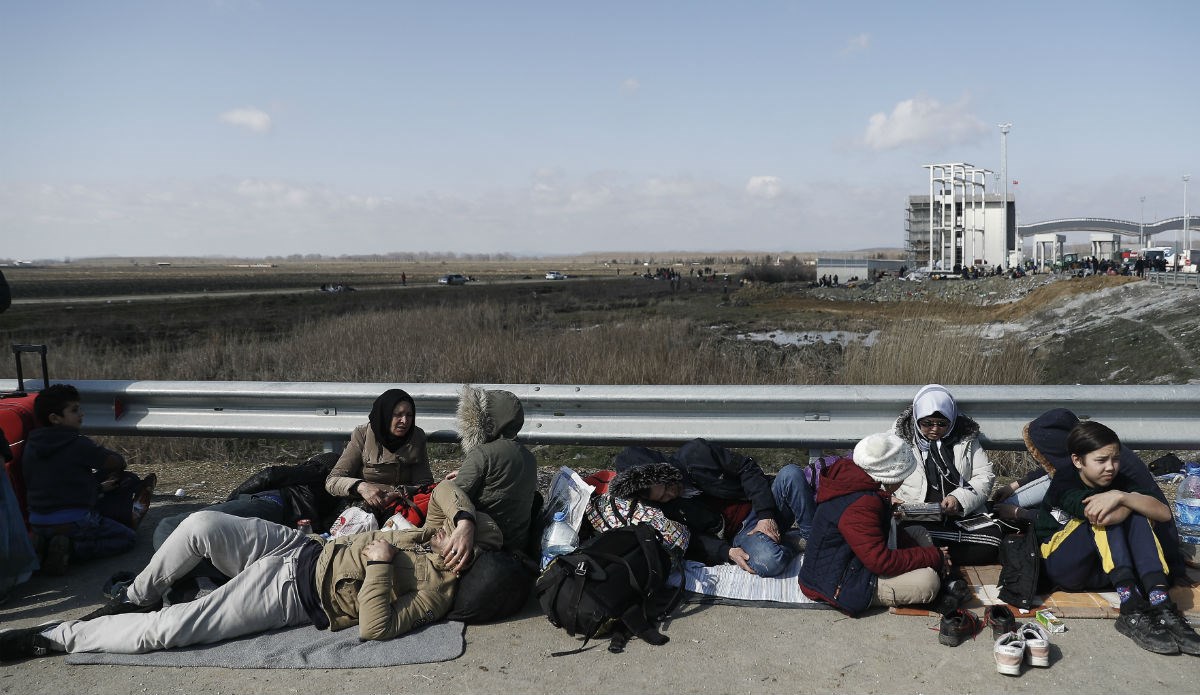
(713, 649)
(228, 294)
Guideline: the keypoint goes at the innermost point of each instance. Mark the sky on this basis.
(270, 128)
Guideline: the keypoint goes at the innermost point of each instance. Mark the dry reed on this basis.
(515, 342)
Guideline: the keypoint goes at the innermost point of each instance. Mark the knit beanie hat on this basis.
(1046, 438)
(885, 457)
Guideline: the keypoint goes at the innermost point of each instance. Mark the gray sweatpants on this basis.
(259, 556)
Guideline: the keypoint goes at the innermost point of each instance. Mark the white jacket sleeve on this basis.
(976, 468)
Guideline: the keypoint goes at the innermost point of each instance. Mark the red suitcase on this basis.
(16, 420)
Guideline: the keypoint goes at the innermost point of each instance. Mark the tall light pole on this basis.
(1004, 128)
(1142, 228)
(1186, 240)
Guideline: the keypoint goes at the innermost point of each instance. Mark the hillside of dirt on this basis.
(1098, 330)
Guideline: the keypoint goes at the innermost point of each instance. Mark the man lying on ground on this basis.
(386, 582)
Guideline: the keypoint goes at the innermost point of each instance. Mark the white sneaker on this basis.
(1037, 643)
(1010, 654)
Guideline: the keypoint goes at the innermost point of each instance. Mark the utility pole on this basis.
(1142, 228)
(1186, 239)
(1004, 128)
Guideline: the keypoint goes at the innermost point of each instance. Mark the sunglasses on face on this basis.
(930, 423)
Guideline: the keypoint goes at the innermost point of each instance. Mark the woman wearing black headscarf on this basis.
(383, 455)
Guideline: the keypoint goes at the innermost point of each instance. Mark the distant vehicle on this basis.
(453, 279)
(1189, 259)
(927, 273)
(555, 275)
(1152, 254)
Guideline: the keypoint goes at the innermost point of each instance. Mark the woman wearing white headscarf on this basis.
(955, 472)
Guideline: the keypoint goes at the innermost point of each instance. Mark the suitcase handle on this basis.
(41, 349)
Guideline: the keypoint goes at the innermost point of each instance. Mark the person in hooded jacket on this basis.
(386, 458)
(849, 562)
(498, 473)
(385, 583)
(954, 472)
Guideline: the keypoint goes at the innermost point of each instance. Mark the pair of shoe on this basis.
(1160, 629)
(53, 553)
(957, 626)
(1029, 642)
(25, 643)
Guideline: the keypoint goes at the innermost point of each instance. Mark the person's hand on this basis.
(451, 475)
(458, 550)
(1106, 508)
(766, 527)
(951, 506)
(394, 496)
(379, 550)
(741, 558)
(1004, 491)
(373, 494)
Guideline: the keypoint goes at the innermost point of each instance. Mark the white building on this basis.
(964, 225)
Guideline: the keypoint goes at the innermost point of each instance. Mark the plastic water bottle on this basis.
(1187, 508)
(559, 538)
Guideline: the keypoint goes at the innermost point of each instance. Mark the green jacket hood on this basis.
(484, 416)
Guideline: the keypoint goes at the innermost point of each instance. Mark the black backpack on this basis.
(617, 581)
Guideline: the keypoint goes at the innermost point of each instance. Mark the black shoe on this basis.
(115, 586)
(57, 557)
(115, 590)
(1001, 619)
(1173, 622)
(24, 643)
(958, 626)
(1140, 624)
(950, 597)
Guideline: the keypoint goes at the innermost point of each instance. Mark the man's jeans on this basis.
(794, 504)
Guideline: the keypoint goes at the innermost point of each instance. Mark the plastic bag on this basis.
(398, 522)
(353, 520)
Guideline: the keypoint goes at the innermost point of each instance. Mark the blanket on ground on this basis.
(302, 647)
(729, 584)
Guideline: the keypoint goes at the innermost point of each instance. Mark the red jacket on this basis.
(863, 526)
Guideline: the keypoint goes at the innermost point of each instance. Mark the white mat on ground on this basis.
(303, 647)
(735, 584)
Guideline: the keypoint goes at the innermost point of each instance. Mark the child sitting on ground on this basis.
(853, 521)
(1096, 528)
(83, 504)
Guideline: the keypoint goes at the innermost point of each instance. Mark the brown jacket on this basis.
(386, 600)
(365, 459)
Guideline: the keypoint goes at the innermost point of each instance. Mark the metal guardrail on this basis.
(1148, 417)
(1175, 279)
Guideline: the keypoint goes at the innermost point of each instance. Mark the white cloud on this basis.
(631, 85)
(253, 119)
(764, 187)
(857, 44)
(923, 121)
